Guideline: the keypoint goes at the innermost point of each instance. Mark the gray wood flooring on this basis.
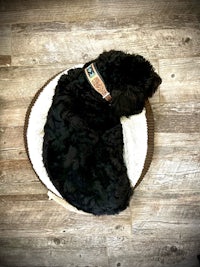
(161, 228)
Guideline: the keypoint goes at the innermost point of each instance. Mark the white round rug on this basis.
(137, 137)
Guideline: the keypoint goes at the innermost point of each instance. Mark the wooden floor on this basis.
(162, 226)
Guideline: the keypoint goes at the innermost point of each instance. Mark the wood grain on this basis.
(28, 11)
(5, 40)
(68, 249)
(181, 117)
(14, 86)
(38, 39)
(181, 78)
(50, 47)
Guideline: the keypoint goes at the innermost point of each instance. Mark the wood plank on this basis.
(5, 43)
(18, 177)
(174, 161)
(181, 117)
(55, 48)
(181, 79)
(13, 153)
(181, 140)
(171, 177)
(24, 197)
(13, 119)
(49, 218)
(18, 5)
(11, 139)
(53, 251)
(183, 206)
(65, 11)
(19, 85)
(120, 21)
(24, 187)
(123, 251)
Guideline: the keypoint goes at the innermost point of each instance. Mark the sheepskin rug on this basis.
(135, 137)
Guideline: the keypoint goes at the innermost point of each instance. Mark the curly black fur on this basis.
(83, 142)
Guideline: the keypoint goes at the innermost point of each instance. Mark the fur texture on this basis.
(83, 141)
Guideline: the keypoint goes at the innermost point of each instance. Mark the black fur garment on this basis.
(83, 141)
